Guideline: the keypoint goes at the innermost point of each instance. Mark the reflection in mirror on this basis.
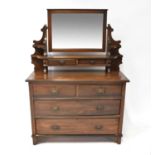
(77, 31)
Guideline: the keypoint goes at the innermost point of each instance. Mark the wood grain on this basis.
(77, 126)
(61, 62)
(54, 90)
(77, 107)
(93, 76)
(99, 90)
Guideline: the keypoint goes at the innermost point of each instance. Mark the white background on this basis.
(20, 23)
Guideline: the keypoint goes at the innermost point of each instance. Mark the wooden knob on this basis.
(55, 127)
(55, 108)
(98, 127)
(100, 107)
(108, 62)
(100, 91)
(62, 62)
(92, 61)
(54, 91)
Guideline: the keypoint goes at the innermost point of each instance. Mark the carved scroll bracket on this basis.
(40, 47)
(113, 50)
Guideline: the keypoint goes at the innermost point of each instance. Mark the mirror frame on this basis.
(78, 11)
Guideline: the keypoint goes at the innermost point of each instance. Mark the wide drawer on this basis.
(77, 107)
(77, 126)
(54, 90)
(99, 90)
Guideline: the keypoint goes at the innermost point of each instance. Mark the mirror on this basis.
(76, 31)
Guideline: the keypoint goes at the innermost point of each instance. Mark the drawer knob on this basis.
(92, 61)
(108, 62)
(98, 127)
(54, 91)
(55, 127)
(100, 91)
(100, 107)
(55, 108)
(62, 62)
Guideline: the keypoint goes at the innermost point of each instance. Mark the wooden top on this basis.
(78, 76)
(73, 55)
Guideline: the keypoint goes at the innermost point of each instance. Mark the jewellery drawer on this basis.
(58, 62)
(54, 90)
(77, 126)
(99, 90)
(77, 107)
(91, 61)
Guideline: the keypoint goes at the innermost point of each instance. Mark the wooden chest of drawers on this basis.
(77, 104)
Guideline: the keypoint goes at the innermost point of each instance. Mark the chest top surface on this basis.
(73, 76)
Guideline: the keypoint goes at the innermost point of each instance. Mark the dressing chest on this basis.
(77, 91)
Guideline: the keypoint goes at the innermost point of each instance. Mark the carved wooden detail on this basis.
(42, 60)
(40, 50)
(113, 50)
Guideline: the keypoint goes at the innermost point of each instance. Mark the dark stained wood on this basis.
(54, 90)
(76, 107)
(118, 138)
(40, 50)
(76, 55)
(104, 31)
(79, 76)
(79, 117)
(49, 17)
(66, 98)
(77, 10)
(77, 126)
(75, 138)
(32, 114)
(77, 99)
(113, 50)
(61, 62)
(75, 61)
(80, 50)
(92, 61)
(99, 90)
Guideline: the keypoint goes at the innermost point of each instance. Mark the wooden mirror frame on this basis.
(77, 11)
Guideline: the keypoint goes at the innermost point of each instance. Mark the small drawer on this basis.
(61, 62)
(54, 90)
(77, 107)
(91, 61)
(77, 126)
(99, 90)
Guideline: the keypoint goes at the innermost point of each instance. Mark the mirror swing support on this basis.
(108, 56)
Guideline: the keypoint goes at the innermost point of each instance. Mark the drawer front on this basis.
(99, 90)
(51, 90)
(59, 62)
(77, 126)
(91, 61)
(77, 107)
